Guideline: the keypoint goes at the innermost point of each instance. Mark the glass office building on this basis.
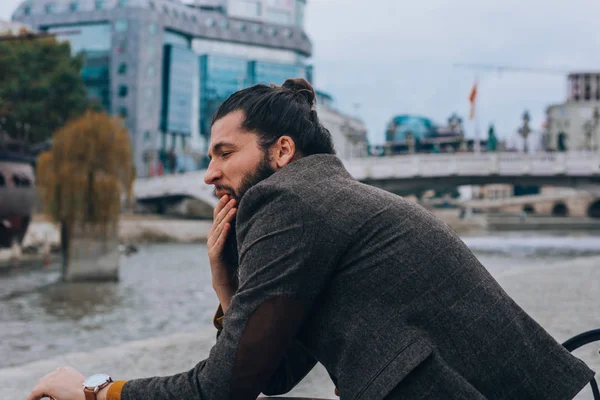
(93, 42)
(165, 66)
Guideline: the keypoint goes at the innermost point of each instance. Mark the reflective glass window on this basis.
(179, 74)
(176, 39)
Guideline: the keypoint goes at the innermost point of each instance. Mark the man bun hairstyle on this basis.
(301, 87)
(274, 111)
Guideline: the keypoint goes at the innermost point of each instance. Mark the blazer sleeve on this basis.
(295, 365)
(287, 256)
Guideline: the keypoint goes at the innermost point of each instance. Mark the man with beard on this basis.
(383, 294)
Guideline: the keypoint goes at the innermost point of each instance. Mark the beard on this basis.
(262, 171)
(230, 252)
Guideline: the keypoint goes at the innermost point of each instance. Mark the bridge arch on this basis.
(560, 209)
(594, 209)
(529, 208)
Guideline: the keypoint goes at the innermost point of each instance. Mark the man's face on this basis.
(237, 161)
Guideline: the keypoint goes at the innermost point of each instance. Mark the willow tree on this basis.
(84, 177)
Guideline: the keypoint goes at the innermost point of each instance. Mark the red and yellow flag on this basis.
(472, 98)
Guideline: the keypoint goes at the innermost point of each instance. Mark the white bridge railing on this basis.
(404, 167)
(505, 164)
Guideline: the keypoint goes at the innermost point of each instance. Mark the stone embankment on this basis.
(43, 236)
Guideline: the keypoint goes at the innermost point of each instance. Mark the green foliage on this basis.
(41, 87)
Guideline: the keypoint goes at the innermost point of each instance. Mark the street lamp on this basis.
(524, 131)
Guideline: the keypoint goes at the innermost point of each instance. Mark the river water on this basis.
(166, 289)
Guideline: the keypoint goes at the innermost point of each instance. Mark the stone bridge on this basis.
(409, 174)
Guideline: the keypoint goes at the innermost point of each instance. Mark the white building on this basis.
(349, 134)
(576, 117)
(12, 27)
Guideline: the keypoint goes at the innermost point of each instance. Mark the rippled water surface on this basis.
(166, 289)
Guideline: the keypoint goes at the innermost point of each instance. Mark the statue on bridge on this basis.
(492, 141)
(562, 141)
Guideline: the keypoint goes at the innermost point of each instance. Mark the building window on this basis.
(210, 22)
(194, 19)
(281, 17)
(153, 28)
(287, 33)
(123, 91)
(242, 27)
(165, 10)
(257, 28)
(121, 25)
(175, 13)
(74, 6)
(122, 69)
(99, 4)
(50, 8)
(224, 23)
(123, 112)
(27, 10)
(272, 31)
(152, 6)
(122, 3)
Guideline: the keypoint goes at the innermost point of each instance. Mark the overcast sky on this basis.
(396, 56)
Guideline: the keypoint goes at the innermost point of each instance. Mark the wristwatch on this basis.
(93, 384)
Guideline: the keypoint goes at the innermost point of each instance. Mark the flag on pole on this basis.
(472, 98)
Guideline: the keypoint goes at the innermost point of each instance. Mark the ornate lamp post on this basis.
(524, 131)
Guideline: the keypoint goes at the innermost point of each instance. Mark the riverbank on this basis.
(560, 296)
(133, 229)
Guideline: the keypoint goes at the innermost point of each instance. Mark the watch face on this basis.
(96, 380)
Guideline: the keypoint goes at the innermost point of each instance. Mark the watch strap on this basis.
(90, 394)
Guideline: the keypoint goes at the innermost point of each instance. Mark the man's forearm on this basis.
(224, 293)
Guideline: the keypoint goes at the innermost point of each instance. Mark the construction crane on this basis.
(509, 68)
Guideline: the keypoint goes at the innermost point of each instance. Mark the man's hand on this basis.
(217, 236)
(63, 384)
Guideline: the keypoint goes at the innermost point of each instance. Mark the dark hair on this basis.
(275, 111)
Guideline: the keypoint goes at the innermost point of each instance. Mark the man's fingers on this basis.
(222, 201)
(223, 236)
(36, 394)
(223, 213)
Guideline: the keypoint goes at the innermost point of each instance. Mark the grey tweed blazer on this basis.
(372, 286)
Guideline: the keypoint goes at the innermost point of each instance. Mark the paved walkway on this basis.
(562, 297)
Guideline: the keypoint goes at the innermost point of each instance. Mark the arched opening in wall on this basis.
(529, 208)
(594, 209)
(560, 210)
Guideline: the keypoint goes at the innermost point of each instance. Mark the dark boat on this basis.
(17, 190)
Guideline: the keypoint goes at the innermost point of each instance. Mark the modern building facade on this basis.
(165, 66)
(574, 124)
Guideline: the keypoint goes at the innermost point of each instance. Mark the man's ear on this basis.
(283, 151)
